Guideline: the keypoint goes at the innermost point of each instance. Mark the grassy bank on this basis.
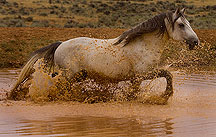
(99, 13)
(17, 43)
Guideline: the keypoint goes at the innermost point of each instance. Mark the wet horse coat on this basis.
(102, 58)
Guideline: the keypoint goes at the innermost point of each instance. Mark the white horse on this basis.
(135, 52)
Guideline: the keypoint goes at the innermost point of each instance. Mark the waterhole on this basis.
(190, 112)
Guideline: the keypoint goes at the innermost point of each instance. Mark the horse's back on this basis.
(97, 56)
(75, 48)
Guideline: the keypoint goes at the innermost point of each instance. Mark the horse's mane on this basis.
(151, 25)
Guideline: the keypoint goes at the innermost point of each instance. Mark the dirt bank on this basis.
(17, 43)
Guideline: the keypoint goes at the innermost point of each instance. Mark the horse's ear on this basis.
(177, 11)
(176, 14)
(182, 10)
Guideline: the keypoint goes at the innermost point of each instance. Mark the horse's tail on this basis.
(46, 52)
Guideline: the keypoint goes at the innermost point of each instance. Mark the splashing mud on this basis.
(43, 87)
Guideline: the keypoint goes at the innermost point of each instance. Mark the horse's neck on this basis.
(145, 51)
(151, 41)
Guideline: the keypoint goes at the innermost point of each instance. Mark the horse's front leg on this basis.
(169, 88)
(152, 75)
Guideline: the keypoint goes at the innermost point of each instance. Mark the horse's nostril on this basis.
(196, 42)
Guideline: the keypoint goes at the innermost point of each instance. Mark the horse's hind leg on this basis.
(80, 76)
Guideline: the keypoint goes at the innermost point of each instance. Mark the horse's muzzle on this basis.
(192, 43)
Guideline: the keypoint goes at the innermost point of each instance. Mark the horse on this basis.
(134, 53)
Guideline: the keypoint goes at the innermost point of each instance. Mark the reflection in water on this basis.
(95, 126)
(194, 127)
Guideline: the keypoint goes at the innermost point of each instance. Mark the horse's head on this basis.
(179, 28)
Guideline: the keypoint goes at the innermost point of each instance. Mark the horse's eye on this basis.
(181, 25)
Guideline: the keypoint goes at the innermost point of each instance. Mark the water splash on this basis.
(43, 87)
(41, 82)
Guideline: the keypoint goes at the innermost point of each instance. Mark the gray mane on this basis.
(151, 25)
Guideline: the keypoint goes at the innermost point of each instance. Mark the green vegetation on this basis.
(99, 13)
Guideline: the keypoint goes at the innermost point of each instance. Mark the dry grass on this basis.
(94, 14)
(196, 2)
(28, 3)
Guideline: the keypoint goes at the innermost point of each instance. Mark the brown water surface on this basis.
(190, 112)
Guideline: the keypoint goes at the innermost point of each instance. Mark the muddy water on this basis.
(190, 112)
